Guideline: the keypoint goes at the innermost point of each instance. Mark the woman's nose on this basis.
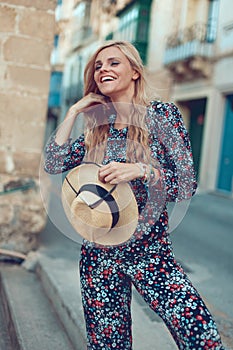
(104, 67)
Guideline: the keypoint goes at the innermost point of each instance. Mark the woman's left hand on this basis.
(115, 172)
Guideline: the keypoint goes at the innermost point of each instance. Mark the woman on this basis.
(154, 155)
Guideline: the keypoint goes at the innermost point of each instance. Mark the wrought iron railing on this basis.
(198, 31)
(192, 41)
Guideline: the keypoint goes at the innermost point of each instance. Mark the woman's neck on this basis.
(123, 111)
(123, 108)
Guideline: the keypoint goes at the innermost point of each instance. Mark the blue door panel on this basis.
(226, 161)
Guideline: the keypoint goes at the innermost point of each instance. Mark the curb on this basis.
(32, 323)
(60, 280)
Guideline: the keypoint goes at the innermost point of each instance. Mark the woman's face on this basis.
(114, 75)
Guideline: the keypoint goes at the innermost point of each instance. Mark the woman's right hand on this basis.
(86, 102)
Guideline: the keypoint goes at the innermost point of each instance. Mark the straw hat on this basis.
(100, 212)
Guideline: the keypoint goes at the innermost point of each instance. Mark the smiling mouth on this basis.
(107, 79)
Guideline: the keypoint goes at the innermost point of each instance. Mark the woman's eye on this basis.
(112, 64)
(97, 67)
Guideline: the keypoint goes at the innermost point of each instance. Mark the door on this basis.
(225, 179)
(196, 126)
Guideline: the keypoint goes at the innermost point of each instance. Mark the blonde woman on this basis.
(145, 144)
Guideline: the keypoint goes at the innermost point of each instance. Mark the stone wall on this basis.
(26, 41)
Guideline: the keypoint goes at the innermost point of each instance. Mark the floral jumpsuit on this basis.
(147, 260)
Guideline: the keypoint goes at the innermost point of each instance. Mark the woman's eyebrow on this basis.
(109, 59)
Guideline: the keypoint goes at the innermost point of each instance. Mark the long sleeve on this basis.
(60, 158)
(170, 145)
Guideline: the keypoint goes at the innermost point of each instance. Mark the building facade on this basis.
(199, 56)
(187, 47)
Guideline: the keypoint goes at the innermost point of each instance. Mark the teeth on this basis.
(107, 78)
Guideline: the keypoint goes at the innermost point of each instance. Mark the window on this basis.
(81, 14)
(134, 25)
(55, 89)
(128, 24)
(79, 10)
(56, 41)
(81, 23)
(212, 23)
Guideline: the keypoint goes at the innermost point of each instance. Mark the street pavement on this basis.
(203, 245)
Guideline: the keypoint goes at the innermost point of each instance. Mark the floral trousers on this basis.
(107, 275)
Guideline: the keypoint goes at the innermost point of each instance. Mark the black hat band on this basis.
(104, 196)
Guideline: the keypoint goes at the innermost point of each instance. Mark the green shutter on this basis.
(134, 25)
(109, 36)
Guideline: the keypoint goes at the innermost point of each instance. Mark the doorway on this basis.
(225, 178)
(196, 122)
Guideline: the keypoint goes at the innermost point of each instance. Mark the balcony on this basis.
(109, 6)
(61, 14)
(189, 53)
(80, 35)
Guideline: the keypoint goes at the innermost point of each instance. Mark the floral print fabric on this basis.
(107, 275)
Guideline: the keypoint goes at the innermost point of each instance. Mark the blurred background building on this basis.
(26, 42)
(187, 47)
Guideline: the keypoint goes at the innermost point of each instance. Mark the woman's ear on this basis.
(136, 75)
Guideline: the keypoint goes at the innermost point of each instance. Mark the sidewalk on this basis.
(58, 271)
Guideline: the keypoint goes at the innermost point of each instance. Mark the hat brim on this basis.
(95, 224)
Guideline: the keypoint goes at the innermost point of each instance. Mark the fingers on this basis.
(93, 98)
(115, 173)
(109, 173)
(88, 101)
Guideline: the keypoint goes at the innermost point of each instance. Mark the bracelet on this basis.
(153, 178)
(142, 168)
(145, 172)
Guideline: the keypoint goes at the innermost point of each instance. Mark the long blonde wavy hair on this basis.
(97, 125)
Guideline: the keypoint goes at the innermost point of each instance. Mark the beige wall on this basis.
(26, 40)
